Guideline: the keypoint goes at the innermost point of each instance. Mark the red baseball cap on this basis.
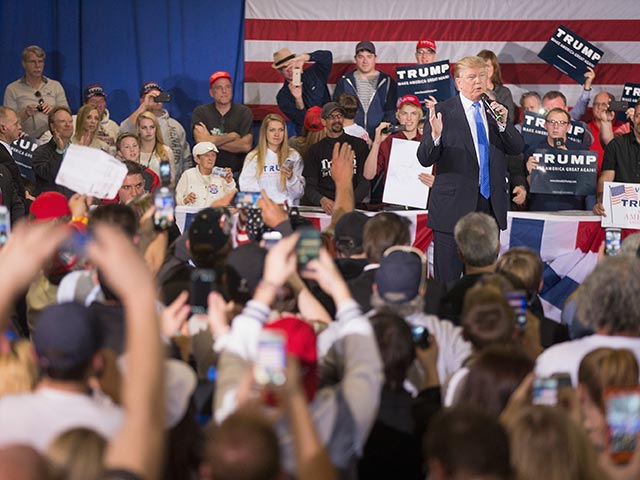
(426, 43)
(218, 75)
(313, 119)
(412, 99)
(49, 206)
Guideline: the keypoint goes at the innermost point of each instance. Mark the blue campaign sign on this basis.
(423, 81)
(570, 53)
(533, 131)
(631, 93)
(23, 154)
(564, 172)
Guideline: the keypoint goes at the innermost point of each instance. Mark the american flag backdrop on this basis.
(515, 30)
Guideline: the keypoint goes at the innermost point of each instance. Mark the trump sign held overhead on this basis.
(621, 202)
(423, 81)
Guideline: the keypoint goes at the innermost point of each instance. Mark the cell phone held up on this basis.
(394, 129)
(297, 77)
(622, 407)
(165, 203)
(308, 246)
(163, 97)
(612, 241)
(5, 224)
(202, 283)
(421, 337)
(165, 173)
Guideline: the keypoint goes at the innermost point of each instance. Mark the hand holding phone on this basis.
(165, 203)
(202, 283)
(612, 241)
(308, 246)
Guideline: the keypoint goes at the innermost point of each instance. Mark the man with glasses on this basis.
(320, 189)
(33, 95)
(468, 147)
(226, 124)
(557, 123)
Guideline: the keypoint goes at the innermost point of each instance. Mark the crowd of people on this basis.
(250, 346)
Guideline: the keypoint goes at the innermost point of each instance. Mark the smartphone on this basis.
(617, 106)
(202, 283)
(558, 142)
(271, 361)
(247, 199)
(297, 77)
(271, 238)
(5, 224)
(545, 391)
(165, 172)
(394, 129)
(612, 241)
(163, 97)
(622, 407)
(165, 203)
(219, 171)
(421, 337)
(518, 301)
(308, 246)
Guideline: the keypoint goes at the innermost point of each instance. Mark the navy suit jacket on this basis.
(456, 186)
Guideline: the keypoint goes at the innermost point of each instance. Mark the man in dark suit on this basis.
(469, 146)
(11, 186)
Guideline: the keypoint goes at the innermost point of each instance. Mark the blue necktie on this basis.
(483, 149)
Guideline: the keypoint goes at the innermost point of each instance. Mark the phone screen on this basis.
(271, 361)
(165, 172)
(612, 241)
(623, 420)
(545, 391)
(420, 336)
(247, 199)
(518, 301)
(5, 224)
(202, 283)
(164, 216)
(308, 247)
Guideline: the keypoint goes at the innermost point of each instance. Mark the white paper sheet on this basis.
(402, 186)
(91, 171)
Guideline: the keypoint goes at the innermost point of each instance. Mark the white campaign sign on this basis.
(621, 203)
(402, 186)
(91, 171)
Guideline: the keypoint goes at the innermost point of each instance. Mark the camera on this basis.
(40, 106)
(394, 129)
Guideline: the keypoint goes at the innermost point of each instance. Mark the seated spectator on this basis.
(128, 148)
(224, 123)
(294, 100)
(478, 244)
(47, 158)
(152, 147)
(495, 84)
(393, 447)
(272, 166)
(375, 168)
(33, 96)
(108, 130)
(607, 303)
(86, 128)
(350, 105)
(557, 123)
(133, 183)
(400, 287)
(200, 186)
(313, 131)
(173, 134)
(546, 443)
(465, 443)
(320, 189)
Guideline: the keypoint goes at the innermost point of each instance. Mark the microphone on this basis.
(487, 105)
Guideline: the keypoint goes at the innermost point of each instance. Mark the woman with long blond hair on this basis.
(87, 123)
(273, 166)
(152, 147)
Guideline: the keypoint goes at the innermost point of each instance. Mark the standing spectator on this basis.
(321, 189)
(294, 100)
(152, 147)
(494, 82)
(225, 124)
(272, 166)
(34, 95)
(173, 133)
(376, 91)
(47, 158)
(350, 104)
(87, 122)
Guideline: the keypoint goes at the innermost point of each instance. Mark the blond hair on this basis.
(260, 152)
(77, 454)
(465, 63)
(81, 120)
(159, 149)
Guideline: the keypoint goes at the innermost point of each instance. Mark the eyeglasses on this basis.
(336, 116)
(557, 122)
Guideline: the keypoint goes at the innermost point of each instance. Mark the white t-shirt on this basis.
(566, 357)
(208, 188)
(37, 418)
(270, 180)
